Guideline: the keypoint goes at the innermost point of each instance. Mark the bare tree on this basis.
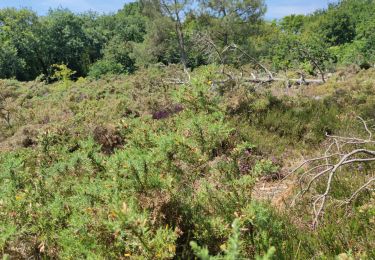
(342, 151)
(234, 54)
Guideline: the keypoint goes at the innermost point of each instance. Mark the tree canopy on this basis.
(165, 31)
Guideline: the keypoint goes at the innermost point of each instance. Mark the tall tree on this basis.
(175, 10)
(11, 65)
(19, 37)
(233, 19)
(127, 27)
(65, 41)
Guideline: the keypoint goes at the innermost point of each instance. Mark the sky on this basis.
(276, 8)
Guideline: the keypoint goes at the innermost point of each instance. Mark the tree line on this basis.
(189, 32)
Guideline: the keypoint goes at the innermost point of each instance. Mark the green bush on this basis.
(105, 67)
(188, 175)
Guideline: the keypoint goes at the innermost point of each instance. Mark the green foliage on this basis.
(232, 21)
(293, 23)
(145, 33)
(231, 248)
(311, 55)
(64, 40)
(127, 164)
(295, 120)
(337, 26)
(63, 73)
(264, 167)
(159, 45)
(18, 37)
(165, 165)
(105, 198)
(10, 64)
(105, 67)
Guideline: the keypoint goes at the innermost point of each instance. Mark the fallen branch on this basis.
(329, 165)
(270, 80)
(299, 81)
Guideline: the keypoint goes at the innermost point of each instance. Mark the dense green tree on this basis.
(337, 26)
(310, 55)
(127, 28)
(64, 41)
(18, 33)
(105, 67)
(130, 23)
(118, 51)
(11, 65)
(170, 31)
(175, 11)
(233, 21)
(98, 30)
(160, 44)
(292, 23)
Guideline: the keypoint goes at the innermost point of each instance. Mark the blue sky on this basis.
(276, 8)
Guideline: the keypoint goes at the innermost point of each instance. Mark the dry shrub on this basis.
(109, 138)
(30, 136)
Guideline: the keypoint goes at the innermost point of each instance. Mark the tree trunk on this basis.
(181, 39)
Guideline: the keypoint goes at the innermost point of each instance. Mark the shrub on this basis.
(62, 73)
(104, 67)
(134, 167)
(264, 168)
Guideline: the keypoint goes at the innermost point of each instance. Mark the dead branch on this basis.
(220, 55)
(364, 186)
(342, 151)
(299, 81)
(235, 47)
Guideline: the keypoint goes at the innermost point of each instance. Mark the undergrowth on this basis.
(132, 167)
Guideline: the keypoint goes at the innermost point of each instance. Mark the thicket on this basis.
(132, 167)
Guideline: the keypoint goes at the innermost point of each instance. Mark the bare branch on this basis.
(340, 152)
(364, 186)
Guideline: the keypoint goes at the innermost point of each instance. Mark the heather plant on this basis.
(134, 167)
(298, 119)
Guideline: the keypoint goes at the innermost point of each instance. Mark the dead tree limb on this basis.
(342, 151)
(221, 55)
(255, 61)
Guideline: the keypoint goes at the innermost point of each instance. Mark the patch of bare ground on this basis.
(276, 192)
(279, 191)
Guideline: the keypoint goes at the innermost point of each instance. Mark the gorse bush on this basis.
(132, 167)
(157, 169)
(63, 74)
(190, 115)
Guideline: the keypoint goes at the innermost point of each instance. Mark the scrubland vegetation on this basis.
(168, 133)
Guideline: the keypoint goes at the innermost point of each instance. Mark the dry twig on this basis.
(342, 151)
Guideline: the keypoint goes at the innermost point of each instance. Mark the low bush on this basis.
(134, 167)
